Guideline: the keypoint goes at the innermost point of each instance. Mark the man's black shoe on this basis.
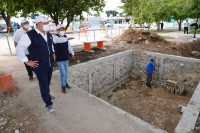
(67, 86)
(31, 78)
(63, 89)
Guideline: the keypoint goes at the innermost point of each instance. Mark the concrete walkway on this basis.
(180, 36)
(75, 112)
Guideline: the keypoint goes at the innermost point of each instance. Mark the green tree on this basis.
(157, 10)
(147, 10)
(180, 11)
(7, 10)
(96, 14)
(59, 10)
(113, 12)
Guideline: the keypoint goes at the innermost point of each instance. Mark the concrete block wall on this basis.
(186, 71)
(98, 75)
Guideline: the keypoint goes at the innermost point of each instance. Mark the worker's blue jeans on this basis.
(63, 68)
(44, 78)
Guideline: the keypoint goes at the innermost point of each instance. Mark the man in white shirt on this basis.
(186, 25)
(17, 36)
(62, 49)
(39, 43)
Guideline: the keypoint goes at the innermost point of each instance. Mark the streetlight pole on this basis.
(197, 26)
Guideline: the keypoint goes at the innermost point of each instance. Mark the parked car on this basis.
(108, 24)
(137, 26)
(145, 25)
(125, 25)
(3, 26)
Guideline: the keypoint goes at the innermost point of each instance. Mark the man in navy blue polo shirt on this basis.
(39, 43)
(150, 68)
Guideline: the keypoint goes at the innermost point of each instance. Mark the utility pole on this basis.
(197, 26)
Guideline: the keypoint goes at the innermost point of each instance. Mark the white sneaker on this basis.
(50, 109)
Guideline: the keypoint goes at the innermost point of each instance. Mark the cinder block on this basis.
(177, 91)
(171, 83)
(172, 90)
(181, 89)
(7, 84)
(168, 89)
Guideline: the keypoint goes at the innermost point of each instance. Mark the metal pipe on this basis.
(94, 34)
(9, 45)
(196, 25)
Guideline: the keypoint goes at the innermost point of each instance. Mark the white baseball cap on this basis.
(41, 19)
(23, 21)
(60, 26)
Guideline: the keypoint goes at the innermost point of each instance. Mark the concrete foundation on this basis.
(99, 75)
(185, 71)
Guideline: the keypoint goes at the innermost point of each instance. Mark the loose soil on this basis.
(16, 116)
(155, 106)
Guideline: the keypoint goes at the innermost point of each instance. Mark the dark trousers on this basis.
(28, 68)
(149, 79)
(44, 78)
(185, 30)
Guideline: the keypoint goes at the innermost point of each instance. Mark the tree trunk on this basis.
(68, 22)
(158, 26)
(55, 18)
(148, 26)
(179, 25)
(7, 20)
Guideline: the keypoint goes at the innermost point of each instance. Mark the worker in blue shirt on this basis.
(150, 68)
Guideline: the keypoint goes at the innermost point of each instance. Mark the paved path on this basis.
(75, 112)
(180, 36)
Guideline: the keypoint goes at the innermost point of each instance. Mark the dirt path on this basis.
(75, 112)
(155, 106)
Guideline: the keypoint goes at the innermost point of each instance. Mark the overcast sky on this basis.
(110, 5)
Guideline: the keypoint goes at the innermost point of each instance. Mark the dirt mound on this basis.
(141, 40)
(191, 49)
(132, 36)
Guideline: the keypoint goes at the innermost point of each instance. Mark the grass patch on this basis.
(164, 31)
(192, 32)
(167, 37)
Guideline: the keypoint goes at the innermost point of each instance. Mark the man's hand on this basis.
(15, 43)
(33, 64)
(73, 57)
(54, 57)
(70, 38)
